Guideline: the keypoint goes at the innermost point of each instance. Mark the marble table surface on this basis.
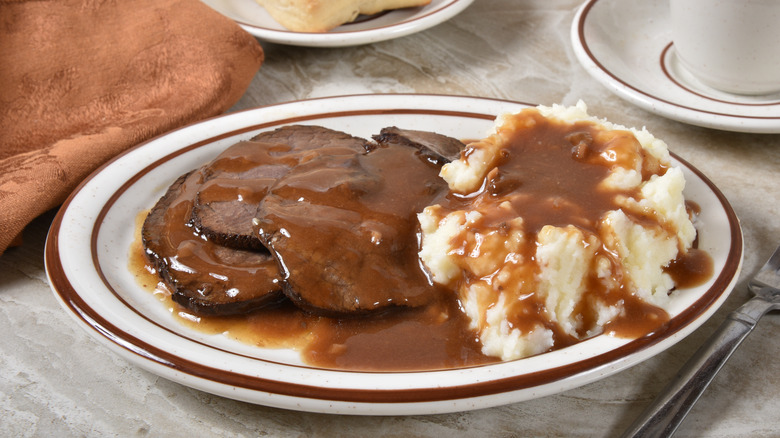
(55, 380)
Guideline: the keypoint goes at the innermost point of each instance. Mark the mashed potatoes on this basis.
(558, 227)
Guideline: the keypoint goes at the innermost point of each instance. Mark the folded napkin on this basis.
(83, 80)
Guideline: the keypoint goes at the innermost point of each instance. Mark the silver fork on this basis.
(668, 410)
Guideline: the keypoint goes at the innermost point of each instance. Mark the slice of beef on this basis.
(234, 184)
(438, 148)
(238, 179)
(344, 229)
(205, 277)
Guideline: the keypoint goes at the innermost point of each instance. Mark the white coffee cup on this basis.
(730, 45)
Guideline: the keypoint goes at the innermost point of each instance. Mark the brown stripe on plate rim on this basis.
(586, 48)
(410, 395)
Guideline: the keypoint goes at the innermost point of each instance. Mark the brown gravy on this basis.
(437, 335)
(363, 255)
(550, 173)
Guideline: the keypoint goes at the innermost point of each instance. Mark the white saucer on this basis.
(627, 46)
(365, 30)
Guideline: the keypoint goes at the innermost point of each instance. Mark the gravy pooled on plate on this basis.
(525, 241)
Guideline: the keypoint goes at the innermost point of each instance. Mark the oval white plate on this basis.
(383, 26)
(87, 264)
(627, 46)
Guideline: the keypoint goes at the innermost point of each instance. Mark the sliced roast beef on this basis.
(343, 228)
(337, 213)
(238, 179)
(205, 277)
(438, 148)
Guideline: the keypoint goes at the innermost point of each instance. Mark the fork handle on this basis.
(668, 410)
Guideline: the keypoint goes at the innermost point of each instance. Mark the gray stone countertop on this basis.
(55, 380)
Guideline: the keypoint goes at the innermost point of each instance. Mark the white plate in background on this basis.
(369, 29)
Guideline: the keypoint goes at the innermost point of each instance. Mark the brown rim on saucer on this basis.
(667, 68)
(584, 42)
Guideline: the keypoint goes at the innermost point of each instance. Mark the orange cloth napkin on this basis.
(83, 80)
